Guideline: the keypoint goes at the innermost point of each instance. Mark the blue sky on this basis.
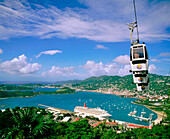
(76, 39)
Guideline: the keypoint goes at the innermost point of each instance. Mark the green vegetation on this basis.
(67, 82)
(13, 87)
(32, 122)
(33, 85)
(5, 94)
(64, 90)
(42, 85)
(55, 85)
(157, 132)
(105, 82)
(26, 123)
(158, 83)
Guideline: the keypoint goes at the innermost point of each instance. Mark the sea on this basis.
(117, 106)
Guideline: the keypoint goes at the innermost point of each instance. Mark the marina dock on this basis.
(61, 110)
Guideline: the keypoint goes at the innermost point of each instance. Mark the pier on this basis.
(61, 110)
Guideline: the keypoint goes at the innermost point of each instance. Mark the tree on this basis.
(26, 123)
(79, 129)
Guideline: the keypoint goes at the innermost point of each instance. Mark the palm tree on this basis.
(28, 123)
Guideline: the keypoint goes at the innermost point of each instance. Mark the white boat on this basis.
(134, 112)
(137, 118)
(130, 114)
(142, 118)
(96, 112)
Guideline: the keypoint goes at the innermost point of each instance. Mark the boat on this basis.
(137, 118)
(95, 112)
(142, 118)
(130, 114)
(134, 112)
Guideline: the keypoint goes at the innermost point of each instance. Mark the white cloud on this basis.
(1, 51)
(122, 59)
(100, 21)
(125, 70)
(166, 59)
(100, 47)
(155, 60)
(164, 54)
(56, 71)
(19, 66)
(98, 69)
(152, 68)
(49, 52)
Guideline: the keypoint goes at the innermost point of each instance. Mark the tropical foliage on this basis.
(25, 123)
(31, 123)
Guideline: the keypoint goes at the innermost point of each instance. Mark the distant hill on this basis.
(67, 82)
(158, 83)
(24, 82)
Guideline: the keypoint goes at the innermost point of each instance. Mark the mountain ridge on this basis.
(158, 83)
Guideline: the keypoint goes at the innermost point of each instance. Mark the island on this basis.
(6, 94)
(64, 90)
(42, 85)
(4, 87)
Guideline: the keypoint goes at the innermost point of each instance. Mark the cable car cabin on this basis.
(139, 57)
(140, 78)
(142, 87)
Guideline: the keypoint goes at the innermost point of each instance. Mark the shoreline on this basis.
(111, 93)
(160, 114)
(18, 97)
(68, 111)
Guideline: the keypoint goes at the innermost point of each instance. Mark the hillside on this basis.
(158, 83)
(67, 82)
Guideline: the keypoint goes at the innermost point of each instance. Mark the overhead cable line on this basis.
(136, 20)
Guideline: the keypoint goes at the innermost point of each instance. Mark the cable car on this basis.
(142, 87)
(139, 58)
(140, 78)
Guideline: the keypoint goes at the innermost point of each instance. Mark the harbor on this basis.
(116, 106)
(96, 112)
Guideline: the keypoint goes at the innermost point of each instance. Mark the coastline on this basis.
(160, 114)
(18, 97)
(103, 92)
(117, 121)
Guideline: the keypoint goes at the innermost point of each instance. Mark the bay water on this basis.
(118, 107)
